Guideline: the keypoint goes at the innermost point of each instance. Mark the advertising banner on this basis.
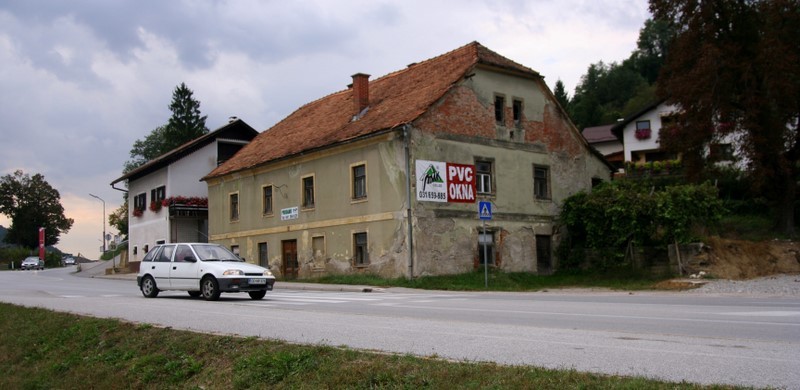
(439, 181)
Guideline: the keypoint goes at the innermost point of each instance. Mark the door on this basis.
(161, 265)
(290, 264)
(184, 274)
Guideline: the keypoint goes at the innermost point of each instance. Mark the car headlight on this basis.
(233, 272)
(267, 272)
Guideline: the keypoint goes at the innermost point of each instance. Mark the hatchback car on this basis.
(201, 269)
(69, 261)
(32, 262)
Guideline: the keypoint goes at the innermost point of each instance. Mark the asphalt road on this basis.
(672, 336)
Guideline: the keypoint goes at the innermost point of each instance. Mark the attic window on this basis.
(517, 110)
(499, 109)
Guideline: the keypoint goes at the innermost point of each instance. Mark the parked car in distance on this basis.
(69, 261)
(201, 269)
(32, 262)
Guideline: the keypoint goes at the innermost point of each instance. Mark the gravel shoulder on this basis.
(774, 285)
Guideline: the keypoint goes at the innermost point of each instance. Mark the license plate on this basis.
(258, 281)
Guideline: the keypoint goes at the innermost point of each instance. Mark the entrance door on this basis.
(290, 265)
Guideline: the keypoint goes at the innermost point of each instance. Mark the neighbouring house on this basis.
(640, 134)
(167, 201)
(385, 177)
(604, 141)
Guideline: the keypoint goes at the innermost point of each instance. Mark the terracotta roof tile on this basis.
(395, 99)
(599, 134)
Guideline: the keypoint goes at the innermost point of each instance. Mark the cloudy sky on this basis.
(81, 80)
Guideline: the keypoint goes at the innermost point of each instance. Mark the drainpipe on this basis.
(408, 204)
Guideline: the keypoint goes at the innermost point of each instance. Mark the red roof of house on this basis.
(395, 99)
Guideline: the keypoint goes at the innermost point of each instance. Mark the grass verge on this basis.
(44, 349)
(502, 281)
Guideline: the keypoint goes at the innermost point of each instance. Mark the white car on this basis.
(32, 262)
(201, 269)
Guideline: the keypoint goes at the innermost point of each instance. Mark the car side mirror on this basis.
(190, 259)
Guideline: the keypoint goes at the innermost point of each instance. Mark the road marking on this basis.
(764, 313)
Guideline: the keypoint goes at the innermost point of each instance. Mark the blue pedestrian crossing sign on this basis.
(485, 210)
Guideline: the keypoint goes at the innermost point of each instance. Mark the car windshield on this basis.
(214, 253)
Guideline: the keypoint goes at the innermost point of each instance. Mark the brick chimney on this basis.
(360, 91)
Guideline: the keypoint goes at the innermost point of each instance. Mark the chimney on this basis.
(360, 91)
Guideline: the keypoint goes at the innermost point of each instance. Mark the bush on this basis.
(619, 213)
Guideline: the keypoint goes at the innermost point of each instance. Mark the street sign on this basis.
(485, 210)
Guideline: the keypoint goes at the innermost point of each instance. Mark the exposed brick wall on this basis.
(459, 112)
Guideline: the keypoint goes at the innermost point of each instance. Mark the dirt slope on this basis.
(734, 259)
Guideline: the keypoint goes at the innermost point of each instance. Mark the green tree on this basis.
(30, 202)
(184, 125)
(561, 94)
(652, 48)
(734, 70)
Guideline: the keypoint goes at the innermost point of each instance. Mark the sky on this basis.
(81, 80)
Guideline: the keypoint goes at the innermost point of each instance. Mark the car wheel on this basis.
(256, 295)
(149, 289)
(209, 287)
(194, 294)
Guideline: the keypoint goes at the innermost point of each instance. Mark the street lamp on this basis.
(104, 220)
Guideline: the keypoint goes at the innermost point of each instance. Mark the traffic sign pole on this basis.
(484, 213)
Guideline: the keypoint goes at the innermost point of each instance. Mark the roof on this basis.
(598, 134)
(236, 129)
(395, 99)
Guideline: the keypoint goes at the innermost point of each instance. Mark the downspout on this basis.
(407, 142)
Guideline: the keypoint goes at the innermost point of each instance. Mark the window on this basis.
(483, 176)
(720, 152)
(140, 202)
(308, 192)
(263, 260)
(541, 179)
(235, 249)
(359, 175)
(184, 254)
(165, 255)
(135, 249)
(517, 112)
(234, 206)
(158, 194)
(266, 193)
(360, 254)
(486, 248)
(642, 130)
(146, 248)
(499, 109)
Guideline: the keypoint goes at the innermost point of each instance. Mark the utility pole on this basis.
(104, 220)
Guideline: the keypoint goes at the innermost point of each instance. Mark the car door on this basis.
(184, 274)
(157, 263)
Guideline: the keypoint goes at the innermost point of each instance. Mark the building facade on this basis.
(384, 177)
(167, 201)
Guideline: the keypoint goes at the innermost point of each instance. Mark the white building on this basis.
(167, 202)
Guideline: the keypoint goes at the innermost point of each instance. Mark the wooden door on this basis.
(290, 264)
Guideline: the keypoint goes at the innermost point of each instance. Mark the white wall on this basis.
(185, 174)
(181, 178)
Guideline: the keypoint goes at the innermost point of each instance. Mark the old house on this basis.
(167, 201)
(383, 177)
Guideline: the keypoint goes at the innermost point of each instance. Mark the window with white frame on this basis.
(359, 177)
(483, 176)
(541, 182)
(266, 193)
(234, 206)
(308, 192)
